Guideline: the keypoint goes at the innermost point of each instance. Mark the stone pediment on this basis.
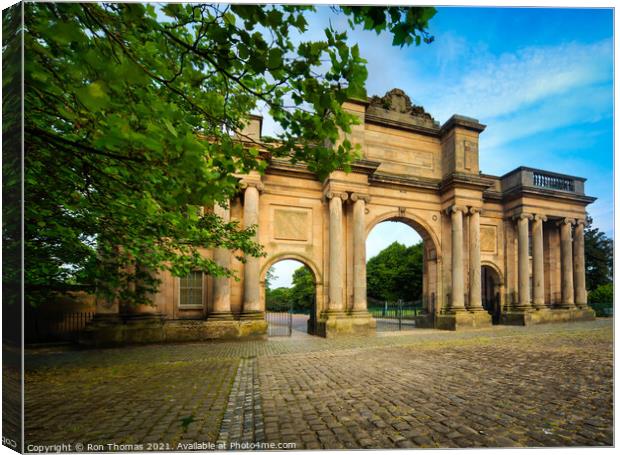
(396, 106)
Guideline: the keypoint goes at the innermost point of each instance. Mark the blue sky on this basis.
(541, 79)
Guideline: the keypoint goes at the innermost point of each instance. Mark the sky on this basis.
(541, 79)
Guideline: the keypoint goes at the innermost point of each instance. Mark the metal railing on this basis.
(44, 328)
(279, 323)
(396, 316)
(553, 182)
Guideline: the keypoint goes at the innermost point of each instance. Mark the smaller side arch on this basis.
(318, 277)
(495, 268)
(493, 296)
(318, 283)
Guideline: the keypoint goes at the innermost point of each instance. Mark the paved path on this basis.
(506, 386)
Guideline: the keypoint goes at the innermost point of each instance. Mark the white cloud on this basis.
(588, 105)
(499, 85)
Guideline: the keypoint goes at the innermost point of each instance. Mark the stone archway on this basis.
(431, 288)
(318, 285)
(491, 285)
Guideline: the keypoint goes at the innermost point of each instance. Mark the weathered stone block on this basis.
(463, 320)
(146, 329)
(103, 331)
(155, 330)
(547, 315)
(332, 325)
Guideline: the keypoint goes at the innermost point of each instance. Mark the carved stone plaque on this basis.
(488, 238)
(291, 224)
(470, 148)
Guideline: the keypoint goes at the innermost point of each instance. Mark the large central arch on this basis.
(431, 248)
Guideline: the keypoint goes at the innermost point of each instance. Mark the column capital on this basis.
(336, 194)
(472, 210)
(360, 197)
(580, 222)
(455, 208)
(245, 184)
(539, 217)
(522, 216)
(562, 221)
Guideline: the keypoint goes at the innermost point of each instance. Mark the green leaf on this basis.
(93, 96)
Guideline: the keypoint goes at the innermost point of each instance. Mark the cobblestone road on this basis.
(506, 386)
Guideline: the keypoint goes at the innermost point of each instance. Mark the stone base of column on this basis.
(221, 316)
(516, 308)
(458, 320)
(332, 324)
(476, 309)
(565, 306)
(547, 315)
(252, 315)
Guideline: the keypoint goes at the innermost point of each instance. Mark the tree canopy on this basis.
(134, 118)
(299, 297)
(396, 273)
(599, 252)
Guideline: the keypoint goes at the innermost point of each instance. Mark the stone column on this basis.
(566, 247)
(336, 252)
(524, 261)
(457, 302)
(538, 276)
(359, 252)
(581, 296)
(475, 290)
(251, 270)
(221, 285)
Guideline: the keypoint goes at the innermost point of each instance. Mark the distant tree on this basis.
(396, 273)
(270, 277)
(278, 299)
(601, 299)
(599, 252)
(602, 294)
(303, 290)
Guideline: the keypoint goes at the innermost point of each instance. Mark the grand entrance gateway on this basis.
(497, 249)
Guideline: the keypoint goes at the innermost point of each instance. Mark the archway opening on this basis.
(290, 298)
(490, 284)
(400, 291)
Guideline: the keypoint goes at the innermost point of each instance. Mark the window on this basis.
(191, 287)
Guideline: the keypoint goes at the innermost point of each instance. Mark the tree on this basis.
(396, 273)
(599, 251)
(303, 290)
(602, 294)
(134, 123)
(299, 297)
(278, 299)
(601, 299)
(270, 277)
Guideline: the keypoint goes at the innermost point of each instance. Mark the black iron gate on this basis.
(396, 316)
(279, 323)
